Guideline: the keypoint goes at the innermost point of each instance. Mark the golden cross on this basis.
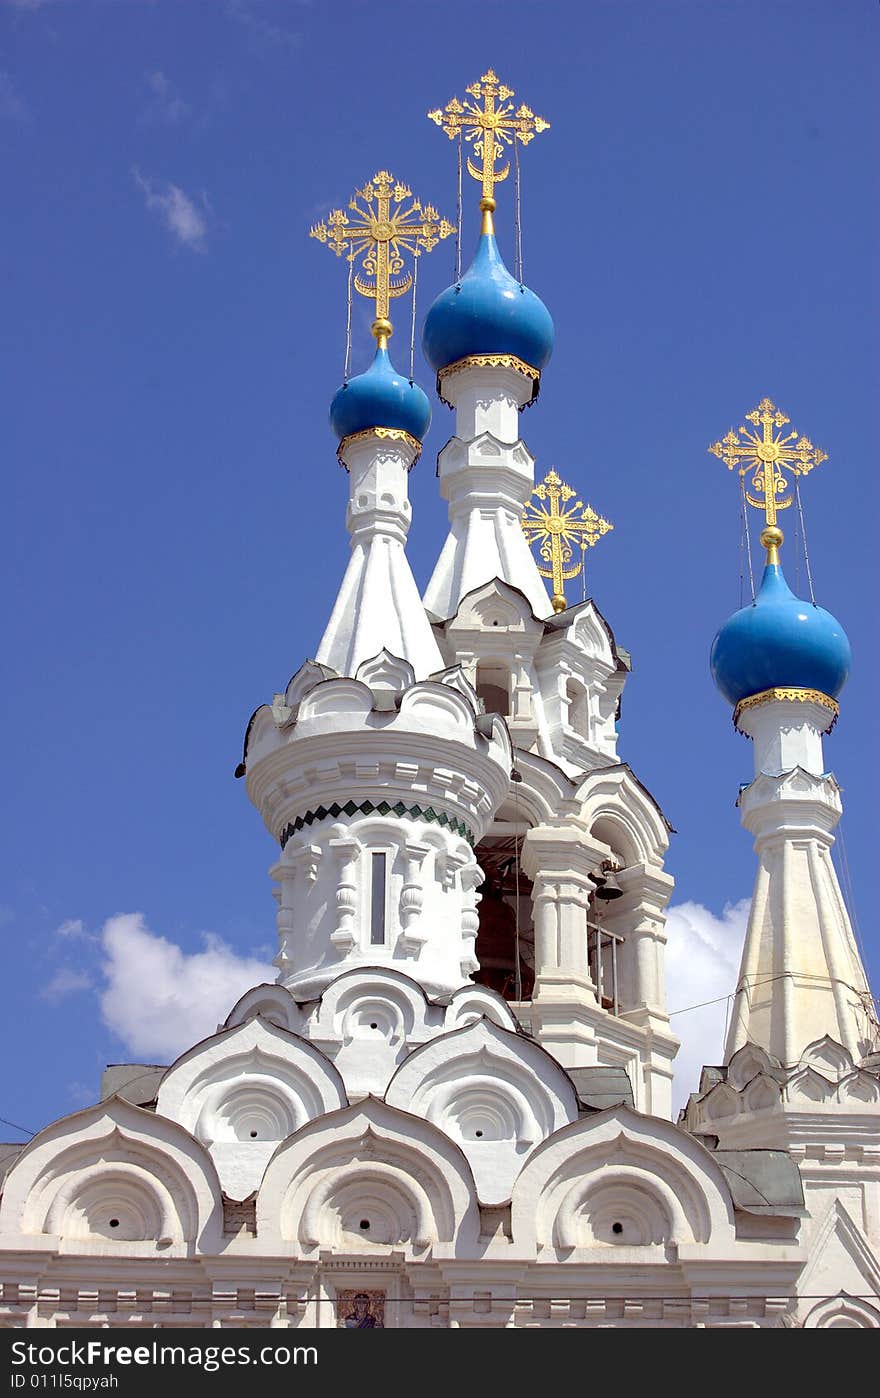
(558, 529)
(388, 222)
(769, 454)
(491, 127)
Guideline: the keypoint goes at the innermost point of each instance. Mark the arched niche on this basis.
(114, 1175)
(243, 1091)
(369, 1178)
(493, 1092)
(666, 1187)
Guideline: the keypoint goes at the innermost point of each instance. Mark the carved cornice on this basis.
(382, 434)
(790, 693)
(491, 361)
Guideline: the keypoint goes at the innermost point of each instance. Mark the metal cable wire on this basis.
(848, 894)
(15, 1126)
(517, 217)
(348, 324)
(748, 984)
(742, 557)
(458, 220)
(412, 331)
(797, 553)
(745, 518)
(807, 569)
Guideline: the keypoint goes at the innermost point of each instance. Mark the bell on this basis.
(609, 888)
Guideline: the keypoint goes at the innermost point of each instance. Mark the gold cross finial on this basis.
(386, 223)
(491, 123)
(770, 454)
(558, 530)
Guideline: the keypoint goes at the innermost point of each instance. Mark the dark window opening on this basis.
(493, 687)
(377, 899)
(505, 898)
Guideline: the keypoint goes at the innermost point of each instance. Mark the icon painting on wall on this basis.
(360, 1310)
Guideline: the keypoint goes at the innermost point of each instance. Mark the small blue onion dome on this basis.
(487, 312)
(779, 642)
(380, 398)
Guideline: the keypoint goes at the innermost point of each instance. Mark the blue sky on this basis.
(699, 220)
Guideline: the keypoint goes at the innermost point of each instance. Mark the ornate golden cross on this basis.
(769, 454)
(387, 223)
(491, 127)
(558, 530)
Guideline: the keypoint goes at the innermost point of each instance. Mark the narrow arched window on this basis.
(378, 876)
(578, 708)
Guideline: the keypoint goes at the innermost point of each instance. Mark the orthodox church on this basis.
(453, 1106)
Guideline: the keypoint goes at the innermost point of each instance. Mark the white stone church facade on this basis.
(455, 1102)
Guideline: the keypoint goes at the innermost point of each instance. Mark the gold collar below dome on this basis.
(383, 434)
(791, 692)
(491, 361)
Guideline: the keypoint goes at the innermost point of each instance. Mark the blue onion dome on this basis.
(487, 312)
(779, 642)
(381, 397)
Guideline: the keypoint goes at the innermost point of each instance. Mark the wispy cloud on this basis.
(66, 981)
(12, 105)
(75, 929)
(165, 106)
(264, 32)
(80, 1094)
(160, 999)
(702, 964)
(184, 218)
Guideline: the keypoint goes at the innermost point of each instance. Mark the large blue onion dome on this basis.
(381, 397)
(487, 312)
(779, 642)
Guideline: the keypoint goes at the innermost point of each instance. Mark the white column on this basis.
(487, 475)
(559, 860)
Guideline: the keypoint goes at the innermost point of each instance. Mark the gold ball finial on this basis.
(488, 205)
(771, 539)
(558, 602)
(382, 329)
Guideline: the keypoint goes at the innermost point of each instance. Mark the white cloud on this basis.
(166, 104)
(159, 999)
(183, 218)
(12, 105)
(702, 964)
(66, 981)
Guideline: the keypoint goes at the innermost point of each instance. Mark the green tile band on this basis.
(370, 808)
